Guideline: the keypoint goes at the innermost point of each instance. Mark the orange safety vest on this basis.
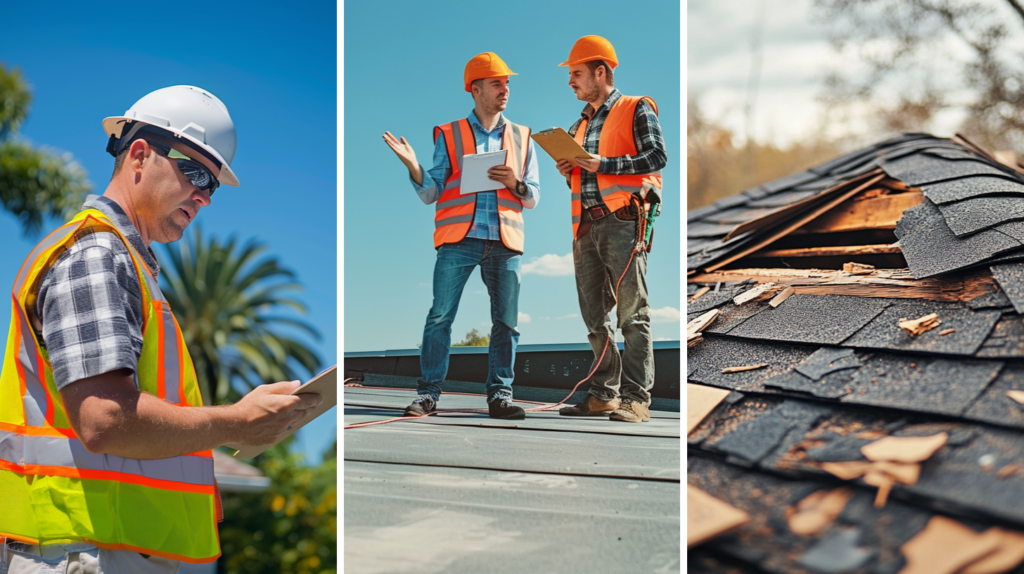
(615, 139)
(54, 491)
(453, 215)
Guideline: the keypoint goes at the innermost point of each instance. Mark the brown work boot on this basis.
(631, 411)
(589, 407)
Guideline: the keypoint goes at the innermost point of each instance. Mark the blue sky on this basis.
(403, 73)
(276, 71)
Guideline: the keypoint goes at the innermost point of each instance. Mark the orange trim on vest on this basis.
(615, 139)
(46, 470)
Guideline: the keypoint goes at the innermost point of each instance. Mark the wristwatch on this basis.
(520, 189)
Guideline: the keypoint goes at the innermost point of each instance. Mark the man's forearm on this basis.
(111, 417)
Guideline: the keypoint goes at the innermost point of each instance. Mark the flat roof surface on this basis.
(464, 493)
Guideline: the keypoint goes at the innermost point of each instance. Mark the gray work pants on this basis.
(600, 259)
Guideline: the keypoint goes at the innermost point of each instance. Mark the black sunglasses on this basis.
(193, 170)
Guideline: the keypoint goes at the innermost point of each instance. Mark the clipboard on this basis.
(324, 384)
(474, 171)
(559, 145)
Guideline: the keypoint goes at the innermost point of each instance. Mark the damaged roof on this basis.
(887, 315)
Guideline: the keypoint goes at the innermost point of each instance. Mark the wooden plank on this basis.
(858, 184)
(880, 212)
(840, 250)
(897, 283)
(790, 211)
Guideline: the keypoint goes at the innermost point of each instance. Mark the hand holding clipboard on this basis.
(562, 148)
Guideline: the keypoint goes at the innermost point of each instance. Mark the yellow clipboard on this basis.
(559, 145)
(324, 384)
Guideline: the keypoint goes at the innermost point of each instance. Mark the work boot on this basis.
(502, 408)
(631, 411)
(589, 407)
(423, 405)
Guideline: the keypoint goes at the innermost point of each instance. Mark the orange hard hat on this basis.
(589, 48)
(486, 65)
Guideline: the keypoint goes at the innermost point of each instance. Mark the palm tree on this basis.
(226, 302)
(34, 182)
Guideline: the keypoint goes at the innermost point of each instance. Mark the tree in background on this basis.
(715, 168)
(34, 182)
(290, 527)
(228, 304)
(474, 339)
(923, 57)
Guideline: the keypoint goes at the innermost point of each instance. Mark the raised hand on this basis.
(405, 153)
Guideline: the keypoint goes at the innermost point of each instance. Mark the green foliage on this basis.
(34, 182)
(15, 97)
(226, 301)
(474, 339)
(292, 526)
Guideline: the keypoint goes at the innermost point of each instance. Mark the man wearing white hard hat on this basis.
(482, 229)
(616, 192)
(105, 447)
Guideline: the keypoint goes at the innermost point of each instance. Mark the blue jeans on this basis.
(499, 268)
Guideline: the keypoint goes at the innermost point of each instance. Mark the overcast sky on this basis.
(795, 57)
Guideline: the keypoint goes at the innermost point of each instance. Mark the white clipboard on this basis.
(474, 171)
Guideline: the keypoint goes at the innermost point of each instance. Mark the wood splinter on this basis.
(760, 292)
(728, 370)
(915, 327)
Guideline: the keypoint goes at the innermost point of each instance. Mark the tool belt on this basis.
(589, 215)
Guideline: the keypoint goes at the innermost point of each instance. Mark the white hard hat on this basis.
(186, 112)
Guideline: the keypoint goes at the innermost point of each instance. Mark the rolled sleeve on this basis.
(531, 178)
(433, 180)
(91, 309)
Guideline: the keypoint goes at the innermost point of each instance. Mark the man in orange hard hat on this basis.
(612, 193)
(470, 229)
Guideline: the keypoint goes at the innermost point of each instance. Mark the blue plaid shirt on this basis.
(485, 219)
(650, 145)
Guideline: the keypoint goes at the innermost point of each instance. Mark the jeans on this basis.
(499, 268)
(600, 258)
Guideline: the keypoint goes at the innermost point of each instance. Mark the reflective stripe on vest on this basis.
(454, 212)
(52, 490)
(615, 139)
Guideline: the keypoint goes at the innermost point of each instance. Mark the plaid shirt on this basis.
(650, 145)
(90, 301)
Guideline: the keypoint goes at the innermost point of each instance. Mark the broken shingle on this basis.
(1010, 277)
(832, 386)
(920, 169)
(973, 215)
(715, 353)
(828, 360)
(785, 198)
(960, 189)
(931, 248)
(994, 406)
(993, 300)
(821, 319)
(1006, 340)
(970, 328)
(701, 229)
(921, 384)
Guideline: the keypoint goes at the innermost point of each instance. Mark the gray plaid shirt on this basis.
(90, 301)
(650, 146)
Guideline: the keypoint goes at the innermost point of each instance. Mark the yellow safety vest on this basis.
(453, 214)
(52, 490)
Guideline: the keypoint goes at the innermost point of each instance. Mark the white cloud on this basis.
(551, 265)
(524, 318)
(665, 315)
(570, 316)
